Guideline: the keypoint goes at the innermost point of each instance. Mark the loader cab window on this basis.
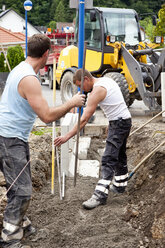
(123, 27)
(92, 31)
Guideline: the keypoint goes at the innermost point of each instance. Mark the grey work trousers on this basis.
(14, 155)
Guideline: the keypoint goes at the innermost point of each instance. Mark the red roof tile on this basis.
(9, 36)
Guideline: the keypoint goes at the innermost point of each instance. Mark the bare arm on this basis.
(96, 96)
(30, 89)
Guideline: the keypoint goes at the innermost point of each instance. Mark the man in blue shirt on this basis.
(21, 102)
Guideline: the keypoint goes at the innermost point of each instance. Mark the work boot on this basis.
(28, 230)
(117, 190)
(93, 202)
(12, 244)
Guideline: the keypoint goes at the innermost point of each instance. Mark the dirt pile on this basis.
(131, 220)
(145, 210)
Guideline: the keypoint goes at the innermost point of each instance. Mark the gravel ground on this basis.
(130, 220)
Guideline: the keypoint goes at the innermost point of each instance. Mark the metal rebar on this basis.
(63, 185)
(79, 116)
(59, 173)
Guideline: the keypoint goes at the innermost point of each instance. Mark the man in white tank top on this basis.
(114, 171)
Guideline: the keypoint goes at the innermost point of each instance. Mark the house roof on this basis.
(7, 36)
(4, 12)
(8, 10)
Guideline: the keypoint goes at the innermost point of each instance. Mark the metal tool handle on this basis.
(79, 116)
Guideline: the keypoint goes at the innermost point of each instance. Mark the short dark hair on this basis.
(77, 76)
(37, 45)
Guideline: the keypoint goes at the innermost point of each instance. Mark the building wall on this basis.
(14, 22)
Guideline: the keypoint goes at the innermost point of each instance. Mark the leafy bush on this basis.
(160, 30)
(52, 25)
(148, 27)
(2, 63)
(15, 55)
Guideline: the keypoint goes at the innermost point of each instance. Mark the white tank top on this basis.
(113, 104)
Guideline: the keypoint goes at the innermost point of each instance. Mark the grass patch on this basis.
(43, 131)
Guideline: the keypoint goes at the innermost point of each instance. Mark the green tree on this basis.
(2, 62)
(127, 2)
(69, 13)
(15, 55)
(16, 5)
(148, 27)
(109, 4)
(53, 7)
(60, 13)
(52, 25)
(160, 26)
(39, 15)
(141, 7)
(99, 3)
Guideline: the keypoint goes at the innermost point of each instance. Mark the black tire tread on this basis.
(67, 80)
(121, 81)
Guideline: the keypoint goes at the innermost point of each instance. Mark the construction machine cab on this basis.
(104, 26)
(119, 24)
(92, 29)
(122, 26)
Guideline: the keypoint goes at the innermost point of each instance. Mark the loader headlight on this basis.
(111, 38)
(159, 39)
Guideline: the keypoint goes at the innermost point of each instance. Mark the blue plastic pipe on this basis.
(81, 36)
(26, 30)
(81, 33)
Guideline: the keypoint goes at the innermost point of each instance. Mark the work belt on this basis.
(119, 120)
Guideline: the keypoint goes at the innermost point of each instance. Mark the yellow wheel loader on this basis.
(115, 49)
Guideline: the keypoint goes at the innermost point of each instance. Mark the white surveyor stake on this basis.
(163, 94)
(53, 137)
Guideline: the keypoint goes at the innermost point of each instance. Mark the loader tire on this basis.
(131, 101)
(159, 101)
(121, 81)
(68, 89)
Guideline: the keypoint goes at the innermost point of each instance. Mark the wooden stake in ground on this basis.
(146, 122)
(152, 152)
(144, 159)
(79, 116)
